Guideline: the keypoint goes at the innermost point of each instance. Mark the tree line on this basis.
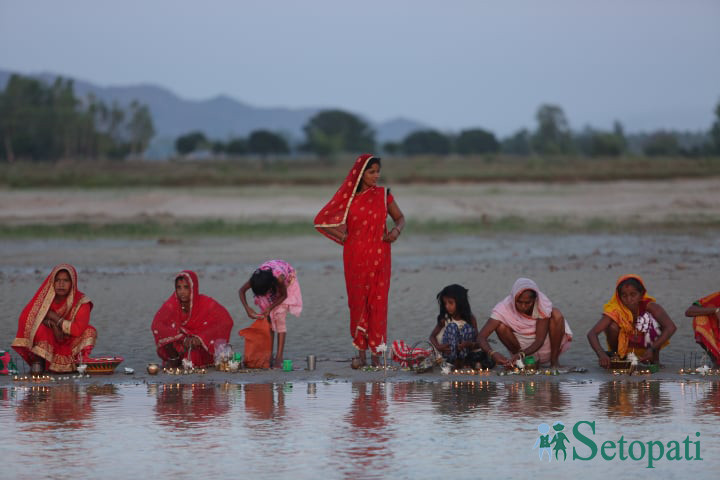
(40, 121)
(331, 132)
(49, 122)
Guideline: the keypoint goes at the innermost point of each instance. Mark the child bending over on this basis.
(277, 292)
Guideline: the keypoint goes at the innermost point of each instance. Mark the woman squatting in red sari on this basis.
(356, 218)
(706, 316)
(189, 325)
(54, 329)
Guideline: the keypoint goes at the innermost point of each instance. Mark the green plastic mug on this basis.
(287, 365)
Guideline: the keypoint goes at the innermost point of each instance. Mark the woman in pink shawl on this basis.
(189, 325)
(527, 324)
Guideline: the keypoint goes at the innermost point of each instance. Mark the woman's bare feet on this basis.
(375, 360)
(359, 361)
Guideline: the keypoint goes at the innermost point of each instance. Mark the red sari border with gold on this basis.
(35, 341)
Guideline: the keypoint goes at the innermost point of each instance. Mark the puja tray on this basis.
(620, 365)
(102, 365)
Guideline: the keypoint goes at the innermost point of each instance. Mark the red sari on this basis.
(35, 341)
(707, 333)
(207, 320)
(366, 256)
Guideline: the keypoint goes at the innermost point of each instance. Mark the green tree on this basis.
(236, 146)
(65, 118)
(25, 118)
(596, 143)
(476, 140)
(264, 142)
(715, 131)
(391, 148)
(518, 143)
(662, 143)
(47, 122)
(218, 147)
(140, 128)
(190, 142)
(426, 141)
(553, 133)
(334, 131)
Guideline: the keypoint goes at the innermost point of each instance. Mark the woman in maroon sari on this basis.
(54, 328)
(356, 218)
(189, 325)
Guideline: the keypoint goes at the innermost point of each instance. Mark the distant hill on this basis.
(220, 117)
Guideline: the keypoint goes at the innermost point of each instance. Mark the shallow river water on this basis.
(470, 429)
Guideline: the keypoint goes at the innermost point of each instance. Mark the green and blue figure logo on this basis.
(544, 443)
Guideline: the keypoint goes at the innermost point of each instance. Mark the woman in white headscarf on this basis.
(527, 324)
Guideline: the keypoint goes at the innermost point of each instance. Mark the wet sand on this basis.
(669, 201)
(128, 280)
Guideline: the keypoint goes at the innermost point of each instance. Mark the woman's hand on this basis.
(253, 314)
(501, 360)
(604, 360)
(443, 347)
(57, 331)
(466, 345)
(392, 235)
(191, 342)
(647, 356)
(515, 358)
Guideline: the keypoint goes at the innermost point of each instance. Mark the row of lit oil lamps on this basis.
(514, 371)
(46, 378)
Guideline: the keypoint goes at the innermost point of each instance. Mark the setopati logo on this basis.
(554, 443)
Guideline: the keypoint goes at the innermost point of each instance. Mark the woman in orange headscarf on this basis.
(356, 218)
(705, 314)
(189, 325)
(632, 322)
(54, 328)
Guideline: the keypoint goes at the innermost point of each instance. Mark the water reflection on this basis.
(59, 407)
(362, 444)
(462, 398)
(709, 403)
(337, 429)
(632, 399)
(265, 401)
(189, 405)
(535, 399)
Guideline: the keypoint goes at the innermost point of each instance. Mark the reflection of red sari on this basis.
(366, 256)
(35, 340)
(706, 328)
(207, 320)
(186, 406)
(56, 407)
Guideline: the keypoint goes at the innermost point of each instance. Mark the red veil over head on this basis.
(334, 214)
(207, 320)
(32, 316)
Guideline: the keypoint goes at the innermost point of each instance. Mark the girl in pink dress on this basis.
(277, 292)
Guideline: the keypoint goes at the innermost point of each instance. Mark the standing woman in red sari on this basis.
(189, 325)
(356, 218)
(54, 329)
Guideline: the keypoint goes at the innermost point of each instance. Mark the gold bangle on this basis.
(491, 353)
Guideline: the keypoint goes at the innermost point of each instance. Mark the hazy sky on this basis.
(452, 64)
